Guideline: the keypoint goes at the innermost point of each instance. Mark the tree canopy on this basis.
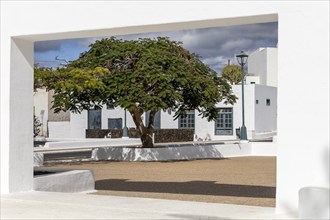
(232, 73)
(138, 75)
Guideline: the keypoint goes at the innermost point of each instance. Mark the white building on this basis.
(260, 110)
(262, 64)
(260, 118)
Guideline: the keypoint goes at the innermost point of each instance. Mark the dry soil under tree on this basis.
(240, 180)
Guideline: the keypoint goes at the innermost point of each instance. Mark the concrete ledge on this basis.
(314, 203)
(38, 159)
(89, 143)
(63, 180)
(171, 152)
(130, 150)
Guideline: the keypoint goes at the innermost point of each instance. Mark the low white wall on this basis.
(89, 143)
(234, 150)
(38, 159)
(189, 151)
(264, 135)
(64, 180)
(263, 148)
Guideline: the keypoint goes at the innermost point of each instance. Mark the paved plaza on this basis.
(195, 189)
(238, 180)
(47, 205)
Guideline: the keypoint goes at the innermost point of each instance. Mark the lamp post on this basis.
(125, 129)
(242, 60)
(42, 113)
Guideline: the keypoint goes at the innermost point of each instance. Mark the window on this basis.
(187, 120)
(115, 123)
(268, 102)
(156, 119)
(94, 118)
(224, 122)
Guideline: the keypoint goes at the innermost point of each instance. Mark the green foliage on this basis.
(74, 89)
(154, 74)
(232, 73)
(39, 73)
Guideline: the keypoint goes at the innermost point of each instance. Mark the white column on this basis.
(303, 102)
(17, 118)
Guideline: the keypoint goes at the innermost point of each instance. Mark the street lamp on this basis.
(125, 129)
(42, 113)
(242, 60)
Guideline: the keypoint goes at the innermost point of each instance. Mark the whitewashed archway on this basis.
(303, 95)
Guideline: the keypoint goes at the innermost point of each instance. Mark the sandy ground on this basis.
(240, 180)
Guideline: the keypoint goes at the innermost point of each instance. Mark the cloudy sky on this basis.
(214, 45)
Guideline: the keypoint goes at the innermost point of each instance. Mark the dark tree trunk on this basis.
(146, 139)
(146, 133)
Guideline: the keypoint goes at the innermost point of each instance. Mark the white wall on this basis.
(59, 129)
(303, 152)
(117, 113)
(79, 122)
(257, 64)
(40, 100)
(272, 66)
(299, 50)
(167, 120)
(204, 130)
(259, 118)
(252, 79)
(78, 125)
(265, 116)
(264, 62)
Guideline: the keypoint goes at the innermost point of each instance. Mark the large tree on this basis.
(138, 75)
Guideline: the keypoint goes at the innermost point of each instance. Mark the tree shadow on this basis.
(191, 187)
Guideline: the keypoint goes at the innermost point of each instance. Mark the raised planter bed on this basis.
(63, 180)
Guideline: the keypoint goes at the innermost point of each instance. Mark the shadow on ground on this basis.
(191, 187)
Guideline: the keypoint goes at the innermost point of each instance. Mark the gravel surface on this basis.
(240, 180)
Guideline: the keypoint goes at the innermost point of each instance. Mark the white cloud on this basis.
(215, 45)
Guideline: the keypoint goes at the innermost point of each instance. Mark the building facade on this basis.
(260, 115)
